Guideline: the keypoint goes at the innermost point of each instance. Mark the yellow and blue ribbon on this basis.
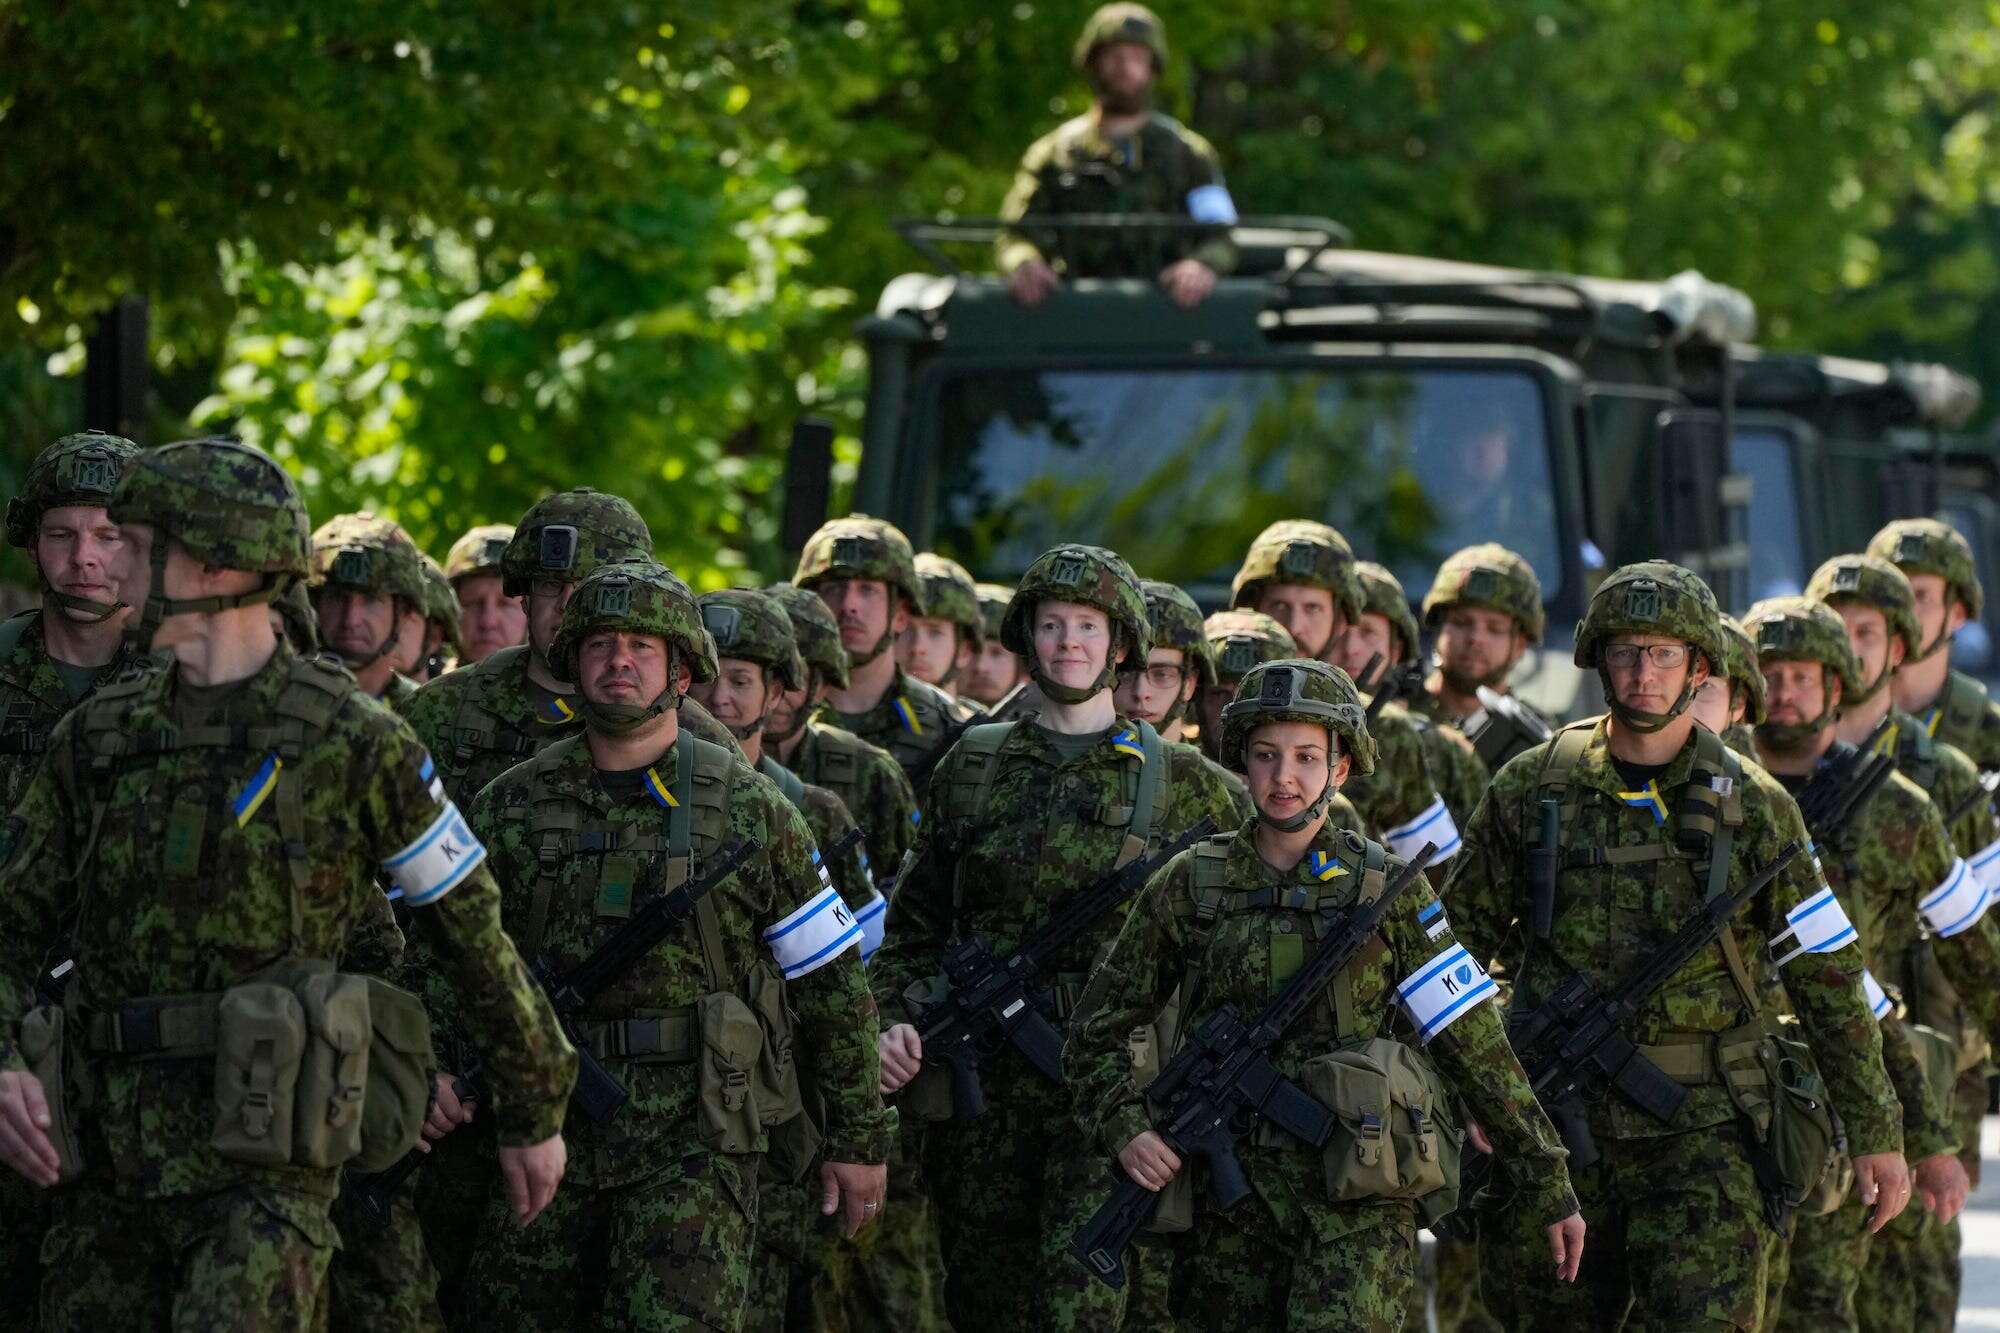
(1648, 799)
(558, 712)
(262, 783)
(1127, 742)
(907, 715)
(1323, 867)
(658, 791)
(1931, 720)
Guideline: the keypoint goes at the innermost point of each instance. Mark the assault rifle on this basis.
(1982, 792)
(1843, 783)
(997, 1001)
(1222, 1081)
(1573, 1044)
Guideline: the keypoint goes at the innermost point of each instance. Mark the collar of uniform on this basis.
(254, 700)
(1120, 744)
(1092, 139)
(572, 775)
(1594, 767)
(507, 692)
(1330, 862)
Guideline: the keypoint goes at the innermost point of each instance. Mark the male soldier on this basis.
(368, 588)
(238, 764)
(1733, 703)
(1302, 574)
(1954, 707)
(657, 1229)
(1887, 858)
(865, 572)
(1159, 690)
(1654, 815)
(492, 619)
(1484, 608)
(50, 661)
(1876, 601)
(995, 671)
(939, 646)
(1022, 815)
(443, 626)
(1121, 156)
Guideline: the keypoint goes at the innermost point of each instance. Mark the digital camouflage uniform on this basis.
(1889, 856)
(79, 469)
(364, 553)
(1288, 1257)
(1744, 674)
(655, 1227)
(1495, 578)
(1676, 1214)
(1163, 168)
(295, 792)
(1053, 814)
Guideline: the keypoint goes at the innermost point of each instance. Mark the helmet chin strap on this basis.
(83, 608)
(1316, 808)
(1075, 694)
(624, 719)
(1791, 737)
(1458, 682)
(1873, 688)
(158, 606)
(1943, 637)
(1637, 719)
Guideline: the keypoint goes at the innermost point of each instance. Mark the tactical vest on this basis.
(788, 782)
(837, 760)
(975, 765)
(926, 727)
(20, 733)
(1961, 712)
(477, 729)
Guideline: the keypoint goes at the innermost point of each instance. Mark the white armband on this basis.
(813, 936)
(872, 917)
(1818, 925)
(1878, 999)
(1437, 993)
(1433, 825)
(436, 862)
(1211, 203)
(1957, 904)
(1986, 866)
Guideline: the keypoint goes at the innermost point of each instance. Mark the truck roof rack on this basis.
(1284, 244)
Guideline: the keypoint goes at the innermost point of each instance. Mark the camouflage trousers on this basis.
(790, 1292)
(1012, 1187)
(1910, 1284)
(1675, 1222)
(382, 1281)
(1812, 1289)
(249, 1258)
(668, 1254)
(1241, 1270)
(1459, 1308)
(891, 1276)
(24, 1218)
(457, 1183)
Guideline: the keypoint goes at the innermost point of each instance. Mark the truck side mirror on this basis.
(808, 482)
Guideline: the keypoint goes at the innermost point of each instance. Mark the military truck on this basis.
(1416, 404)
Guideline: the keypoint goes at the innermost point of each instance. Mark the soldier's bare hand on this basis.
(853, 1190)
(1942, 1184)
(24, 1128)
(1566, 1244)
(1149, 1161)
(1882, 1180)
(532, 1174)
(1188, 282)
(902, 1056)
(448, 1111)
(1477, 1136)
(1031, 283)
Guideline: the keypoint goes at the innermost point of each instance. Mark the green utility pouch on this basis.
(260, 1042)
(795, 1136)
(45, 1047)
(732, 1043)
(333, 1071)
(1393, 1137)
(1784, 1098)
(1939, 1053)
(927, 1097)
(401, 1073)
(1174, 1210)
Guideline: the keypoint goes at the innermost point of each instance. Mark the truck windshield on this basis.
(1178, 470)
(1777, 546)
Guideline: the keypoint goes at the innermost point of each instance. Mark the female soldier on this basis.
(1328, 1238)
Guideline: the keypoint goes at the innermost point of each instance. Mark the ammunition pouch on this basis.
(1778, 1090)
(333, 1070)
(260, 1045)
(401, 1075)
(795, 1136)
(732, 1048)
(46, 1049)
(1394, 1136)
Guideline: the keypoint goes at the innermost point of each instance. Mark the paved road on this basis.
(1979, 1302)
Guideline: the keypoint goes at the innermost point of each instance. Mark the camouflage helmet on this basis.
(1382, 594)
(950, 594)
(1090, 576)
(1932, 546)
(633, 597)
(1799, 629)
(814, 631)
(1174, 621)
(1298, 690)
(1652, 597)
(860, 547)
(1491, 576)
(567, 535)
(1742, 668)
(1303, 552)
(480, 550)
(1239, 641)
(229, 504)
(754, 627)
(80, 469)
(371, 553)
(441, 606)
(1121, 22)
(993, 599)
(1872, 581)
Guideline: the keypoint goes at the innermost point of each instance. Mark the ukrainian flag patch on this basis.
(557, 711)
(658, 791)
(1127, 742)
(907, 716)
(1648, 798)
(1323, 867)
(262, 783)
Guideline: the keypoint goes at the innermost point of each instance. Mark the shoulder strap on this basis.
(1917, 756)
(704, 779)
(313, 695)
(788, 782)
(1718, 868)
(15, 628)
(1139, 831)
(974, 767)
(1964, 706)
(552, 829)
(1561, 760)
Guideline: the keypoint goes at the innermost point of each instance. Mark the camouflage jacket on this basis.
(1964, 715)
(1460, 773)
(34, 698)
(835, 1017)
(1609, 916)
(1948, 776)
(1252, 950)
(396, 695)
(150, 834)
(910, 720)
(1049, 828)
(1074, 169)
(869, 781)
(1400, 799)
(826, 815)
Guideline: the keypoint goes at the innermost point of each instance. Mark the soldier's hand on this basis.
(1188, 282)
(447, 1112)
(1477, 1136)
(1943, 1185)
(1566, 1244)
(1149, 1161)
(532, 1175)
(1882, 1180)
(902, 1056)
(853, 1190)
(1031, 283)
(24, 1128)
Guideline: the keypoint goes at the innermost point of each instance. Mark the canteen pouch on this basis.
(1391, 1134)
(927, 1097)
(795, 1136)
(732, 1043)
(401, 1075)
(260, 1041)
(333, 1070)
(44, 1046)
(1940, 1054)
(1803, 1138)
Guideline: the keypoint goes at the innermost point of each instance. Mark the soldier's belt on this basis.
(171, 1026)
(1688, 1062)
(670, 1038)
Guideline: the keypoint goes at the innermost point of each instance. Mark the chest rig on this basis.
(1961, 711)
(831, 759)
(25, 726)
(477, 729)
